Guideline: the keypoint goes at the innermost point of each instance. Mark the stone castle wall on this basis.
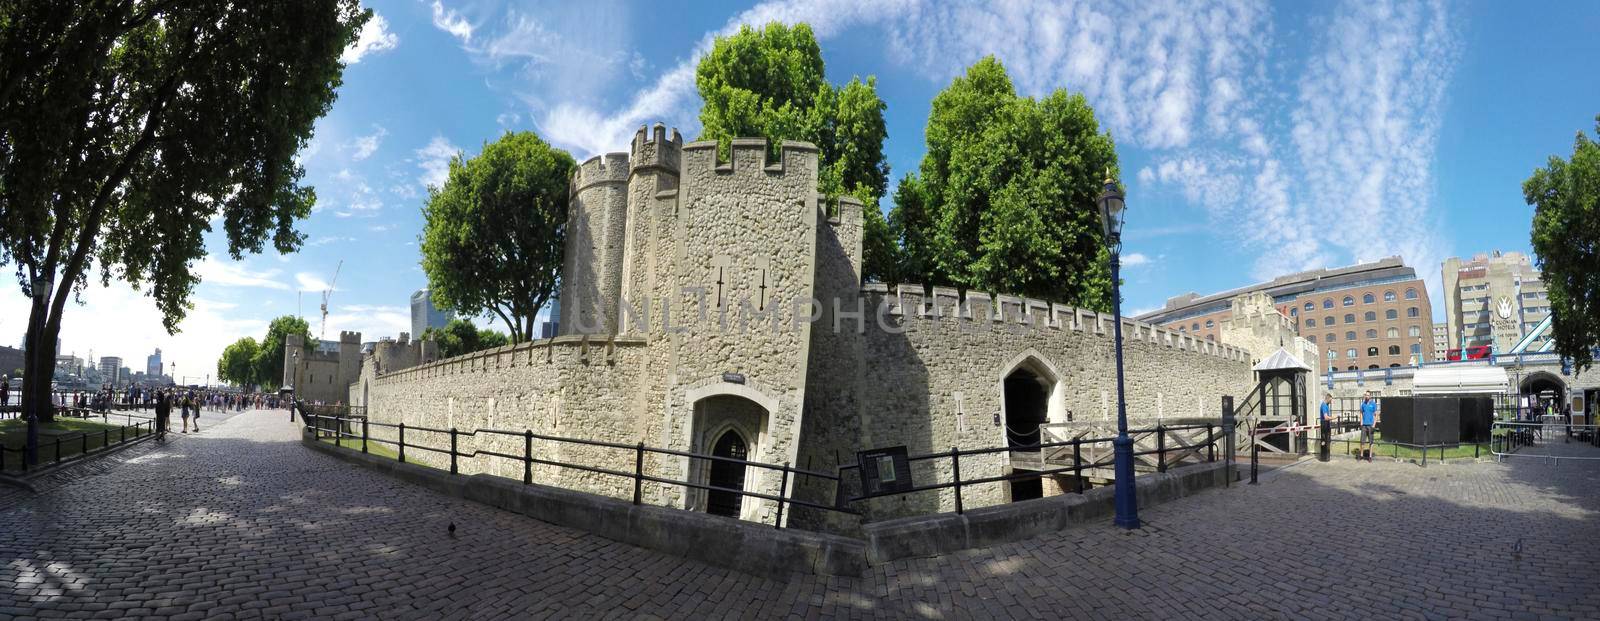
(688, 314)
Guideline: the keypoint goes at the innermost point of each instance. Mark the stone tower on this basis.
(597, 219)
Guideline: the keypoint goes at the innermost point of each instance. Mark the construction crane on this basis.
(327, 293)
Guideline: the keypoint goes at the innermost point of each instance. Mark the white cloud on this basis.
(235, 274)
(311, 282)
(508, 119)
(364, 146)
(372, 321)
(375, 37)
(434, 160)
(1135, 259)
(451, 22)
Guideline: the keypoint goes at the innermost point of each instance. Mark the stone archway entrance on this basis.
(727, 475)
(1027, 402)
(1544, 386)
(733, 427)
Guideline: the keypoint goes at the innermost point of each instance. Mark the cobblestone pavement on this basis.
(242, 522)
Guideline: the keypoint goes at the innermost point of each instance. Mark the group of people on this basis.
(1369, 421)
(187, 402)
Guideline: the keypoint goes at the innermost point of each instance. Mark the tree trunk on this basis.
(39, 364)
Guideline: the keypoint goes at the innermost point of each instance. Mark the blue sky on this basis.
(1255, 138)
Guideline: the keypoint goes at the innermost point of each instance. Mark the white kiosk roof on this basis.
(1460, 380)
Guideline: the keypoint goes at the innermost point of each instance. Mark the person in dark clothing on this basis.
(163, 411)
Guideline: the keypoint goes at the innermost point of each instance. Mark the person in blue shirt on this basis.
(1325, 418)
(1369, 418)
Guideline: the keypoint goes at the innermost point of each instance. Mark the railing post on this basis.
(363, 435)
(1077, 465)
(783, 490)
(1161, 448)
(955, 474)
(1211, 444)
(452, 450)
(1227, 433)
(402, 443)
(638, 472)
(527, 456)
(338, 429)
(1255, 451)
(1424, 449)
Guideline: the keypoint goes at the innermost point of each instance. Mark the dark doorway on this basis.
(727, 475)
(1026, 404)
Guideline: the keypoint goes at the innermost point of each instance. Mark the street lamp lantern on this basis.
(1112, 211)
(1112, 208)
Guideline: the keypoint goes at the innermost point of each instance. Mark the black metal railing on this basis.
(107, 437)
(359, 427)
(1163, 451)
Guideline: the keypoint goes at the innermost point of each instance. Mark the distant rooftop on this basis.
(1286, 287)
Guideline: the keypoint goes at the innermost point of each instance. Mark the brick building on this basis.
(1365, 316)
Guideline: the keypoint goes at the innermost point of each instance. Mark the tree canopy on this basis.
(461, 337)
(269, 358)
(128, 128)
(492, 241)
(237, 365)
(770, 83)
(1566, 237)
(1005, 200)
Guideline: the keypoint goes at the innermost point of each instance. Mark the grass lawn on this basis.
(373, 448)
(1385, 449)
(71, 431)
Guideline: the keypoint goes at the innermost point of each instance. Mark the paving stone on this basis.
(241, 521)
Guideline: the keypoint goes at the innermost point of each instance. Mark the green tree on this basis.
(461, 337)
(127, 128)
(1566, 238)
(770, 83)
(1006, 197)
(492, 241)
(269, 358)
(237, 365)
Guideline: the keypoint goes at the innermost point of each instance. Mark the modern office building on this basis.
(1492, 299)
(152, 364)
(1441, 340)
(109, 368)
(1365, 316)
(424, 315)
(551, 324)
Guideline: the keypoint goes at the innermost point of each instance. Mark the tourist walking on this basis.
(184, 399)
(1369, 418)
(5, 391)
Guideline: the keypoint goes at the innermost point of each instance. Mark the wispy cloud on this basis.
(1135, 259)
(236, 274)
(311, 282)
(375, 38)
(364, 146)
(451, 22)
(434, 160)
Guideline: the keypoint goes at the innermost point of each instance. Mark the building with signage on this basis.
(1492, 299)
(1364, 316)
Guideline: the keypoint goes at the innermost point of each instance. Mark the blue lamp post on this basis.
(1112, 211)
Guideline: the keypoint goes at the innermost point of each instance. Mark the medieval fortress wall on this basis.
(713, 302)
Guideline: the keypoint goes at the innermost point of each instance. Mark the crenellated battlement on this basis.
(611, 168)
(748, 156)
(654, 148)
(346, 336)
(845, 210)
(916, 301)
